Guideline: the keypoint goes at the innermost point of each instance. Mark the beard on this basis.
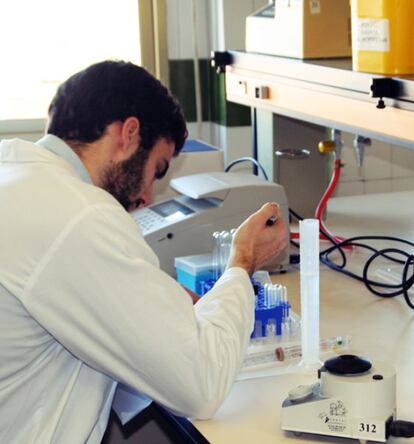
(126, 179)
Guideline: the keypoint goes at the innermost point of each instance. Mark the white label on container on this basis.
(373, 35)
(315, 6)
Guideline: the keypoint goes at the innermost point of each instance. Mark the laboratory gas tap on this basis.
(360, 142)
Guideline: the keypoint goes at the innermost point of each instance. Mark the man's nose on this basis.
(146, 197)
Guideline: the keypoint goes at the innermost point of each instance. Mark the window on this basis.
(44, 41)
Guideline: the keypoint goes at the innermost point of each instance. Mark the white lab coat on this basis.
(83, 306)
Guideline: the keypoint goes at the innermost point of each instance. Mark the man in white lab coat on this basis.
(83, 303)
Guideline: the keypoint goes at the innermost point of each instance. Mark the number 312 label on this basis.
(367, 427)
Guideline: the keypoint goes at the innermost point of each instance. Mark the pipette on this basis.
(335, 344)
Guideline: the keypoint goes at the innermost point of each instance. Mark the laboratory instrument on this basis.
(353, 398)
(208, 202)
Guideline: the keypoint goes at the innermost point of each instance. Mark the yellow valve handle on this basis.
(326, 146)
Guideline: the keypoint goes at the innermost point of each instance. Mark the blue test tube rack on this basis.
(270, 312)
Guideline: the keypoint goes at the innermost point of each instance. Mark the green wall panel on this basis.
(215, 107)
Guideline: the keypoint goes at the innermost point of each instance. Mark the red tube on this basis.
(324, 200)
(320, 209)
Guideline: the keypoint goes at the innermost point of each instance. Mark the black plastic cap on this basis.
(347, 365)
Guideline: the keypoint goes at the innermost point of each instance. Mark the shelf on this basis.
(324, 92)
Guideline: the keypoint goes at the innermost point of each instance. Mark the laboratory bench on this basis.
(380, 328)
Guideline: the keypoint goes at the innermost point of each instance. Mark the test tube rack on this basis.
(272, 309)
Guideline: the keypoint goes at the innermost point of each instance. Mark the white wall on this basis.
(385, 168)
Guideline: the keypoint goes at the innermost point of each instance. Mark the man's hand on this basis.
(256, 241)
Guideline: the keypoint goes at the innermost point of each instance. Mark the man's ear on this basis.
(130, 138)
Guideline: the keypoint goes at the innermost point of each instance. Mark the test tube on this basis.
(216, 255)
(267, 295)
(225, 245)
(222, 241)
(271, 327)
(335, 344)
(257, 329)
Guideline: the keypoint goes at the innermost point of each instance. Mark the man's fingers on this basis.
(269, 213)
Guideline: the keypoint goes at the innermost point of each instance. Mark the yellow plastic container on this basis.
(383, 36)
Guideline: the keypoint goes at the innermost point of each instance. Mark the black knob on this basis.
(381, 104)
(347, 365)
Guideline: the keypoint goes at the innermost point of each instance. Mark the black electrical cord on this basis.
(247, 159)
(389, 290)
(403, 429)
(336, 245)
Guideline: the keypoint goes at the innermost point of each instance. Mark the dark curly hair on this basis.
(111, 91)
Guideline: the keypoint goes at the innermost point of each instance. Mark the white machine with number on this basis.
(209, 202)
(353, 399)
